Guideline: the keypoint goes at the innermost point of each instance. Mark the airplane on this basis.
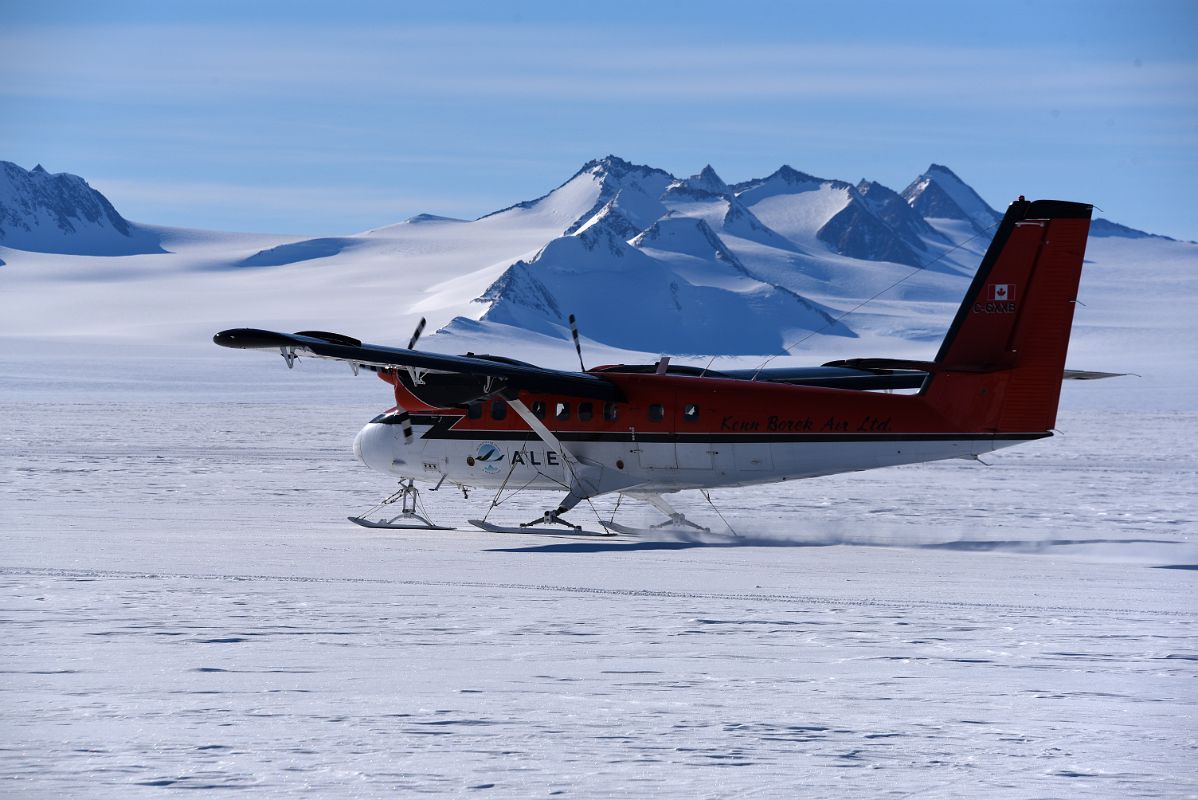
(647, 430)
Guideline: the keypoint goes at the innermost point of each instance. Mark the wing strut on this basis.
(543, 432)
(585, 477)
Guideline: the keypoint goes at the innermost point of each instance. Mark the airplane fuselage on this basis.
(674, 432)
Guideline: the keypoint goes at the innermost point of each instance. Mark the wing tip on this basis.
(251, 338)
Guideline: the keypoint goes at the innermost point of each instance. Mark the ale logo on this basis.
(489, 456)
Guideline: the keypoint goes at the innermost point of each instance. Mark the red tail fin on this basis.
(1001, 364)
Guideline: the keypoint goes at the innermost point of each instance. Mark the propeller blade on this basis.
(577, 345)
(416, 335)
(405, 422)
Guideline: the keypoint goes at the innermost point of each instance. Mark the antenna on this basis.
(577, 345)
(416, 334)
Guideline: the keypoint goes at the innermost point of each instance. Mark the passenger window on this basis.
(657, 412)
(690, 412)
(561, 411)
(538, 409)
(610, 412)
(586, 411)
(498, 410)
(474, 410)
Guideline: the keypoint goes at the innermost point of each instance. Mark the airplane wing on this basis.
(502, 373)
(471, 376)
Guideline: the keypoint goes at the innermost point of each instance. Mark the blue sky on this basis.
(338, 117)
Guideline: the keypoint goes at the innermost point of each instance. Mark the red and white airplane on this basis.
(648, 430)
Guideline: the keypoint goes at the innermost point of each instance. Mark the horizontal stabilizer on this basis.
(1087, 375)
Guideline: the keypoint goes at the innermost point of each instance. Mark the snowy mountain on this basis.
(687, 290)
(867, 221)
(624, 195)
(648, 261)
(61, 214)
(705, 196)
(1104, 227)
(940, 194)
(859, 232)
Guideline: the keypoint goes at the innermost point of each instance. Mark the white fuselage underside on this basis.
(645, 466)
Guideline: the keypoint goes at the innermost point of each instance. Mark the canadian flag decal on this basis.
(1001, 292)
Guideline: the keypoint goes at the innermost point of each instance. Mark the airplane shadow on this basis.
(964, 545)
(612, 546)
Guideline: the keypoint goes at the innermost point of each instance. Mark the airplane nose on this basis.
(378, 446)
(372, 448)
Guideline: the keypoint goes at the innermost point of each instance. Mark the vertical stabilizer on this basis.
(1001, 364)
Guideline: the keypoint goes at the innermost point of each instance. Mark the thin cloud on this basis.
(434, 62)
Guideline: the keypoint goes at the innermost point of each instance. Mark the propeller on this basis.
(405, 422)
(405, 419)
(577, 345)
(416, 334)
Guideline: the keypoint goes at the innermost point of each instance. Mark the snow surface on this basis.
(188, 608)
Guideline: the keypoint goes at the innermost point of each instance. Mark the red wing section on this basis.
(1001, 365)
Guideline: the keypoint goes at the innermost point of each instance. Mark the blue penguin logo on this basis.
(489, 456)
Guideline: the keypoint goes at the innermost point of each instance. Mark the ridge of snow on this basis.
(797, 209)
(723, 212)
(784, 180)
(857, 231)
(611, 216)
(420, 219)
(294, 252)
(690, 236)
(1102, 227)
(572, 204)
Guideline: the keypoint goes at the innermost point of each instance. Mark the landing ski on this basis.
(569, 530)
(421, 525)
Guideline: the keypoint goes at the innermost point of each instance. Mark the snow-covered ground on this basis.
(186, 607)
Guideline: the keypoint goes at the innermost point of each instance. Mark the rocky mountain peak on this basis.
(938, 193)
(61, 213)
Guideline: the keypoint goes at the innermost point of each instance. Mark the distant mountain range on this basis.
(650, 261)
(61, 214)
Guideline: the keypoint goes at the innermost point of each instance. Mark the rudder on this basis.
(1000, 366)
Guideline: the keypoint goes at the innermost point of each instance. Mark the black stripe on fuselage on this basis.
(442, 428)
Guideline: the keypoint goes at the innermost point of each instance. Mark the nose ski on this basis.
(408, 518)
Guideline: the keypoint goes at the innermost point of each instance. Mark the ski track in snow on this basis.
(187, 608)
